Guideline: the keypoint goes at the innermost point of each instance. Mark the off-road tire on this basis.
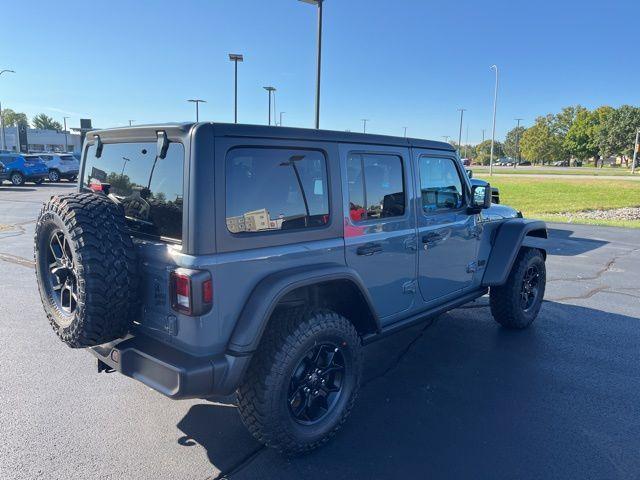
(262, 397)
(17, 179)
(505, 300)
(105, 263)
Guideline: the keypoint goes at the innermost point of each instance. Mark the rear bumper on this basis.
(170, 371)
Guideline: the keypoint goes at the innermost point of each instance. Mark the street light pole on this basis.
(483, 135)
(197, 101)
(131, 122)
(364, 125)
(517, 142)
(635, 152)
(405, 132)
(66, 142)
(318, 69)
(461, 110)
(4, 141)
(493, 132)
(235, 58)
(281, 113)
(269, 89)
(446, 138)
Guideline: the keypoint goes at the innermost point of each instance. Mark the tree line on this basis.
(573, 134)
(41, 121)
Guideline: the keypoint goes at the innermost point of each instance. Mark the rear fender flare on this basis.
(269, 291)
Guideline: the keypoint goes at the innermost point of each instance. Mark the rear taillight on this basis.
(191, 291)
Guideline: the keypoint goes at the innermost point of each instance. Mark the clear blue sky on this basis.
(398, 63)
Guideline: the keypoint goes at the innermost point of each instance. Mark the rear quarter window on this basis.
(272, 189)
(149, 188)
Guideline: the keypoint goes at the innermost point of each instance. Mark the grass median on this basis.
(588, 171)
(555, 199)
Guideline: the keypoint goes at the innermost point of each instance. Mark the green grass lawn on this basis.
(551, 199)
(597, 172)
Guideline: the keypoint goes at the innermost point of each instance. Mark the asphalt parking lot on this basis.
(458, 397)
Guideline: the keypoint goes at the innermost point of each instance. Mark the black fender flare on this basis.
(509, 238)
(270, 290)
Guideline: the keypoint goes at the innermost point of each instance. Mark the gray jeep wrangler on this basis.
(205, 259)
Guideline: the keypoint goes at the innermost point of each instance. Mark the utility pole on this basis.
(635, 152)
(131, 122)
(197, 101)
(461, 110)
(281, 113)
(466, 142)
(270, 89)
(405, 132)
(493, 132)
(364, 125)
(319, 54)
(517, 143)
(235, 58)
(66, 143)
(446, 138)
(483, 135)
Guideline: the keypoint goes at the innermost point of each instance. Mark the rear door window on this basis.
(376, 186)
(271, 189)
(149, 188)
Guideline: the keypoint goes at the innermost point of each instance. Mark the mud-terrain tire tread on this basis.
(505, 299)
(287, 332)
(107, 268)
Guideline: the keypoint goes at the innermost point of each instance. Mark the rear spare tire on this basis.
(86, 268)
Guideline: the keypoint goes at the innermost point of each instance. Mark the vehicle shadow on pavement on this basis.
(465, 398)
(564, 244)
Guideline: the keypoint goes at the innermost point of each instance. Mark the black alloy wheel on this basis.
(316, 383)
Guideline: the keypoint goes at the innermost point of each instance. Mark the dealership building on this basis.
(36, 140)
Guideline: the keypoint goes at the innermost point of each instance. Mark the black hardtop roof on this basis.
(264, 131)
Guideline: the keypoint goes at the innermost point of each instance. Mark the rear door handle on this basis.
(369, 249)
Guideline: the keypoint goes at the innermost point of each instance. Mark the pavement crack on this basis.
(24, 262)
(240, 464)
(588, 294)
(608, 266)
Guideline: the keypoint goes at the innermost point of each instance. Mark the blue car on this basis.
(18, 169)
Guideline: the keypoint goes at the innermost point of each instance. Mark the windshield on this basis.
(149, 188)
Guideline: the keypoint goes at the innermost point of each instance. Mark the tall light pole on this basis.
(4, 142)
(319, 4)
(66, 142)
(197, 101)
(235, 58)
(493, 131)
(461, 110)
(405, 132)
(364, 125)
(517, 142)
(483, 135)
(635, 152)
(131, 122)
(466, 142)
(281, 113)
(270, 89)
(446, 138)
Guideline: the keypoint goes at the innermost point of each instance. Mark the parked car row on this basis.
(21, 168)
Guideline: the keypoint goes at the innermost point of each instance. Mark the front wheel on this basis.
(17, 179)
(516, 303)
(54, 176)
(302, 382)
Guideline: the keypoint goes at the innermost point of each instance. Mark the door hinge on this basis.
(409, 287)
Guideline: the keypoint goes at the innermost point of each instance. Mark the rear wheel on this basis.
(17, 179)
(302, 382)
(516, 303)
(54, 176)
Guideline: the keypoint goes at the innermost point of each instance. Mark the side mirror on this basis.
(480, 197)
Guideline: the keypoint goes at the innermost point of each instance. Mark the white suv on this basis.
(61, 165)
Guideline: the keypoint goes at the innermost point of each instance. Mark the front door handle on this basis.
(431, 237)
(369, 249)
